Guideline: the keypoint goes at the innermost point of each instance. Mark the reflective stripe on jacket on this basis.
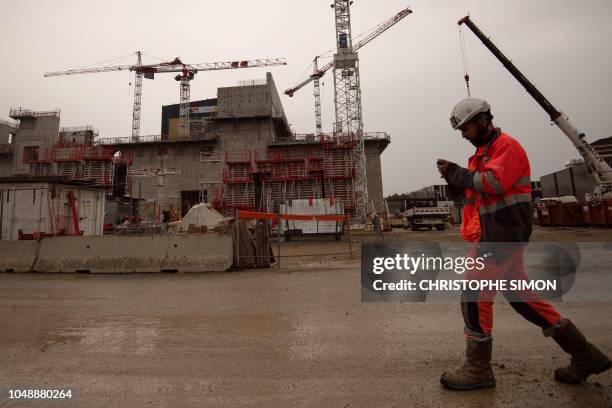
(497, 192)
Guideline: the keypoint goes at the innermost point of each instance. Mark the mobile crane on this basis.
(600, 168)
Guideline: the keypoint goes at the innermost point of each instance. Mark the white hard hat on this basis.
(466, 110)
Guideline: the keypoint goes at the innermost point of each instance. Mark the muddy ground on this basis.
(297, 335)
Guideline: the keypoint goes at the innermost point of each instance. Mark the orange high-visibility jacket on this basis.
(497, 191)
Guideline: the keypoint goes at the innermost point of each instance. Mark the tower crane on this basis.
(600, 168)
(186, 74)
(319, 72)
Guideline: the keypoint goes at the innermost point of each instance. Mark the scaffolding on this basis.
(339, 169)
(287, 174)
(79, 162)
(264, 179)
(238, 183)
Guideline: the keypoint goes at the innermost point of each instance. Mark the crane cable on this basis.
(114, 60)
(305, 74)
(464, 60)
(153, 56)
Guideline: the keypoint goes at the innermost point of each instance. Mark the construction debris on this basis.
(254, 249)
(201, 218)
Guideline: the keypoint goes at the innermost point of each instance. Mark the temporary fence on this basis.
(273, 219)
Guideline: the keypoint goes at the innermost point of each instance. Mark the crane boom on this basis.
(89, 70)
(213, 66)
(176, 65)
(601, 169)
(382, 28)
(318, 73)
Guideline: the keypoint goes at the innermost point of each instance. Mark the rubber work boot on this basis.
(586, 358)
(476, 372)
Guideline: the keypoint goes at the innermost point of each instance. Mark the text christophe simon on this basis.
(412, 265)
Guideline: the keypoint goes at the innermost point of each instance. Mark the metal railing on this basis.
(313, 138)
(252, 82)
(128, 140)
(19, 112)
(149, 139)
(376, 136)
(87, 128)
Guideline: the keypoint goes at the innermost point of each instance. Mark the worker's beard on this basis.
(482, 136)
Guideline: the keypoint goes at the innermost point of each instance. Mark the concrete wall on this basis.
(247, 118)
(184, 157)
(42, 132)
(141, 253)
(6, 149)
(374, 176)
(6, 129)
(44, 207)
(250, 101)
(575, 181)
(244, 101)
(6, 163)
(18, 256)
(244, 134)
(277, 107)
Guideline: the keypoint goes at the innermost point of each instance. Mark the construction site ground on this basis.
(292, 336)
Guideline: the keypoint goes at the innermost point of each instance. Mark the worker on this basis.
(376, 225)
(496, 189)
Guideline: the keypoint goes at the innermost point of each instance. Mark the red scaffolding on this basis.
(76, 161)
(263, 179)
(238, 185)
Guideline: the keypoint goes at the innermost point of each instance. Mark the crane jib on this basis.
(518, 75)
(602, 172)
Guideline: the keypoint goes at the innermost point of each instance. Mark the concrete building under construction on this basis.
(241, 154)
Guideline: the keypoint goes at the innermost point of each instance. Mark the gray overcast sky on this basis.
(411, 75)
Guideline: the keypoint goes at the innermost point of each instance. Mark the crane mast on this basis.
(347, 97)
(347, 101)
(184, 106)
(137, 98)
(317, 98)
(600, 168)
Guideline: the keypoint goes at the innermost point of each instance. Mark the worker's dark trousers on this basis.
(477, 306)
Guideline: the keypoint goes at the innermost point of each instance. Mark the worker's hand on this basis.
(442, 166)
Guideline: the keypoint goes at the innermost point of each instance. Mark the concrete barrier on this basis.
(144, 253)
(18, 256)
(198, 252)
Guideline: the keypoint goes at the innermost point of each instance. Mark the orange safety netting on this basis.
(253, 215)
